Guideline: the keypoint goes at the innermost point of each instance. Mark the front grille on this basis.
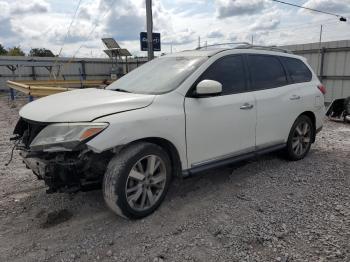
(27, 130)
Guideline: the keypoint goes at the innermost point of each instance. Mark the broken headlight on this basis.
(65, 136)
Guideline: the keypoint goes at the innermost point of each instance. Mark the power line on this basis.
(69, 27)
(342, 19)
(97, 22)
(67, 34)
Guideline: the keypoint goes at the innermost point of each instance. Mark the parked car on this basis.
(177, 115)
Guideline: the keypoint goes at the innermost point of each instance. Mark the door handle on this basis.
(294, 97)
(246, 106)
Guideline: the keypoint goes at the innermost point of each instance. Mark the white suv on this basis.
(177, 115)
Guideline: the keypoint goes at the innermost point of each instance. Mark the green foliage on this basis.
(15, 51)
(3, 51)
(41, 52)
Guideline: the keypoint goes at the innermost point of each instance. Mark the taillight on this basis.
(322, 88)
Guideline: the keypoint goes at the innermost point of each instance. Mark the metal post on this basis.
(12, 69)
(149, 29)
(31, 98)
(12, 94)
(323, 52)
(319, 54)
(83, 69)
(126, 64)
(33, 73)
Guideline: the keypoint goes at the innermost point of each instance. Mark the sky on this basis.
(75, 27)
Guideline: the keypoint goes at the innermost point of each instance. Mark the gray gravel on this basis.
(266, 209)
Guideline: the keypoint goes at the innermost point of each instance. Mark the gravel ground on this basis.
(266, 209)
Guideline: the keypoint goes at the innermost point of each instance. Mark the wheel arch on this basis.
(312, 116)
(169, 147)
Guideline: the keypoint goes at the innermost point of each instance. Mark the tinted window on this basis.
(297, 70)
(229, 71)
(266, 72)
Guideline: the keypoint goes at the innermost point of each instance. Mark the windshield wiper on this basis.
(121, 90)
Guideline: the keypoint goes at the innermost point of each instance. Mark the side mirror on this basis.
(208, 87)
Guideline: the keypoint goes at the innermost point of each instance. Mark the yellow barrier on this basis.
(33, 90)
(49, 87)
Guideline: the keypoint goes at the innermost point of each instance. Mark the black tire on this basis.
(117, 176)
(347, 105)
(346, 110)
(290, 150)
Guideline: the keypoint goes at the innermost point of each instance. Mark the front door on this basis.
(221, 126)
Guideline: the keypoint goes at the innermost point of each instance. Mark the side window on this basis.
(297, 70)
(229, 71)
(266, 72)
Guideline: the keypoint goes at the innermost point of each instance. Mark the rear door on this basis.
(278, 101)
(221, 126)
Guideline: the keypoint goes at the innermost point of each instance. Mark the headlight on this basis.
(65, 136)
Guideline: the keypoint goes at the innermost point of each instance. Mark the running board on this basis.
(231, 160)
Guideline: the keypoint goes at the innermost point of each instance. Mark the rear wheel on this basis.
(300, 138)
(137, 180)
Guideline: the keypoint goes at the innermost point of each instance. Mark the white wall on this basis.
(336, 70)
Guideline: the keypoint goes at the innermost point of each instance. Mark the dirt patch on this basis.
(54, 218)
(266, 209)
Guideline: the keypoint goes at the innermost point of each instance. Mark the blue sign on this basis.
(144, 43)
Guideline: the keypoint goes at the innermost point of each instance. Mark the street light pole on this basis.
(149, 29)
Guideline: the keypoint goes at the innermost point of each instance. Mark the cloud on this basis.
(33, 7)
(266, 22)
(44, 23)
(84, 13)
(230, 8)
(335, 6)
(215, 34)
(183, 37)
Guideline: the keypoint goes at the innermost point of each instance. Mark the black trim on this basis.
(230, 160)
(251, 89)
(191, 91)
(283, 60)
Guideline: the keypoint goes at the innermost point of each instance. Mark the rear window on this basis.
(266, 72)
(297, 70)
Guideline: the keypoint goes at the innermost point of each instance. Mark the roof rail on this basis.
(262, 47)
(231, 43)
(245, 45)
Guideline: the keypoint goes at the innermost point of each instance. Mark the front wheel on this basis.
(137, 180)
(300, 138)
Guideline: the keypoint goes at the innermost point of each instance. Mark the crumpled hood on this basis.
(83, 105)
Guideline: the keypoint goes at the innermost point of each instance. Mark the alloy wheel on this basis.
(301, 138)
(146, 182)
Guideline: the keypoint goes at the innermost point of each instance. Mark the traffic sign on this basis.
(144, 43)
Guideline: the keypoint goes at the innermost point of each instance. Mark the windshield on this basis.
(158, 76)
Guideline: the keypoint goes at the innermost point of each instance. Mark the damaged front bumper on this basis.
(67, 171)
(64, 171)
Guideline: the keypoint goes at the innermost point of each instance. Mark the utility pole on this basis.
(149, 29)
(199, 42)
(320, 48)
(252, 39)
(321, 32)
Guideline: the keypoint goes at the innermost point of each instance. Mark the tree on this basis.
(15, 51)
(42, 52)
(3, 51)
